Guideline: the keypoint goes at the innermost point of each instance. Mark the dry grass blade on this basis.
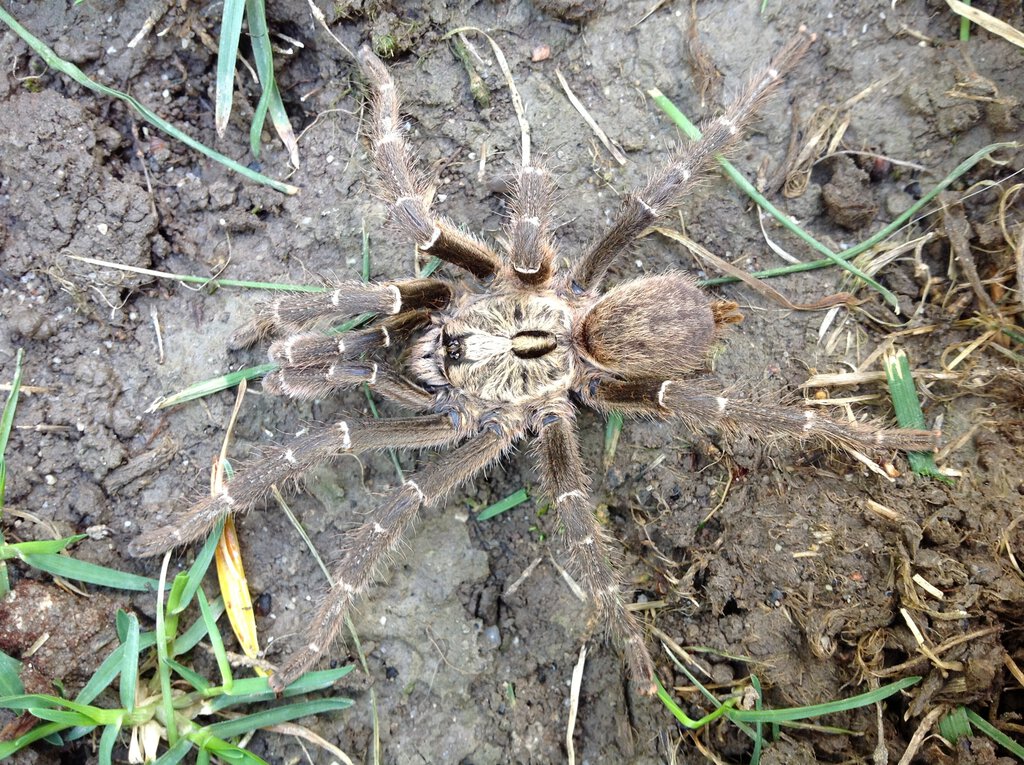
(839, 298)
(506, 71)
(234, 584)
(927, 723)
(988, 21)
(859, 378)
(302, 732)
(1018, 256)
(602, 136)
(574, 703)
(957, 229)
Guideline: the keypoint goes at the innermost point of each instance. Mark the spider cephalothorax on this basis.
(491, 362)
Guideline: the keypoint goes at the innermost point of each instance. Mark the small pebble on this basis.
(492, 636)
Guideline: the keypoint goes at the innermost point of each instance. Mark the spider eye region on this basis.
(453, 348)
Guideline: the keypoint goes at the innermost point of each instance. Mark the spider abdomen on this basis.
(657, 326)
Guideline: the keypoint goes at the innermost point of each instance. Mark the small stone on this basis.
(492, 637)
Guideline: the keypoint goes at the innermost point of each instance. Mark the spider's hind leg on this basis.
(591, 555)
(698, 408)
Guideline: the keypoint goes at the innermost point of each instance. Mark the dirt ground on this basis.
(794, 577)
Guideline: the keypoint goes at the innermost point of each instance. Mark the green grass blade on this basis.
(227, 57)
(270, 100)
(197, 571)
(60, 716)
(36, 701)
(206, 388)
(216, 642)
(6, 423)
(107, 740)
(43, 546)
(366, 252)
(253, 690)
(502, 505)
(174, 601)
(965, 26)
(110, 669)
(130, 665)
(684, 719)
(66, 67)
(190, 676)
(995, 734)
(955, 725)
(612, 431)
(830, 707)
(908, 410)
(275, 716)
(175, 754)
(755, 756)
(190, 638)
(886, 231)
(432, 265)
(83, 571)
(10, 676)
(9, 748)
(7, 419)
(693, 133)
(223, 750)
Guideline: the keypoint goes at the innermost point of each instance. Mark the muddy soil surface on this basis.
(790, 563)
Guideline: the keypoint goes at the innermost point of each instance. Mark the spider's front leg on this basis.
(699, 408)
(294, 312)
(591, 556)
(405, 189)
(531, 248)
(255, 479)
(365, 547)
(314, 365)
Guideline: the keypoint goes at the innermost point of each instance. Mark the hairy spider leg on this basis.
(405, 190)
(592, 558)
(698, 408)
(310, 349)
(254, 480)
(298, 311)
(315, 364)
(528, 229)
(366, 547)
(317, 382)
(666, 190)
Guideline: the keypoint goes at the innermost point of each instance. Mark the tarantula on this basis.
(506, 355)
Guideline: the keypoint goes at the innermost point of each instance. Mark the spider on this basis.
(488, 361)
